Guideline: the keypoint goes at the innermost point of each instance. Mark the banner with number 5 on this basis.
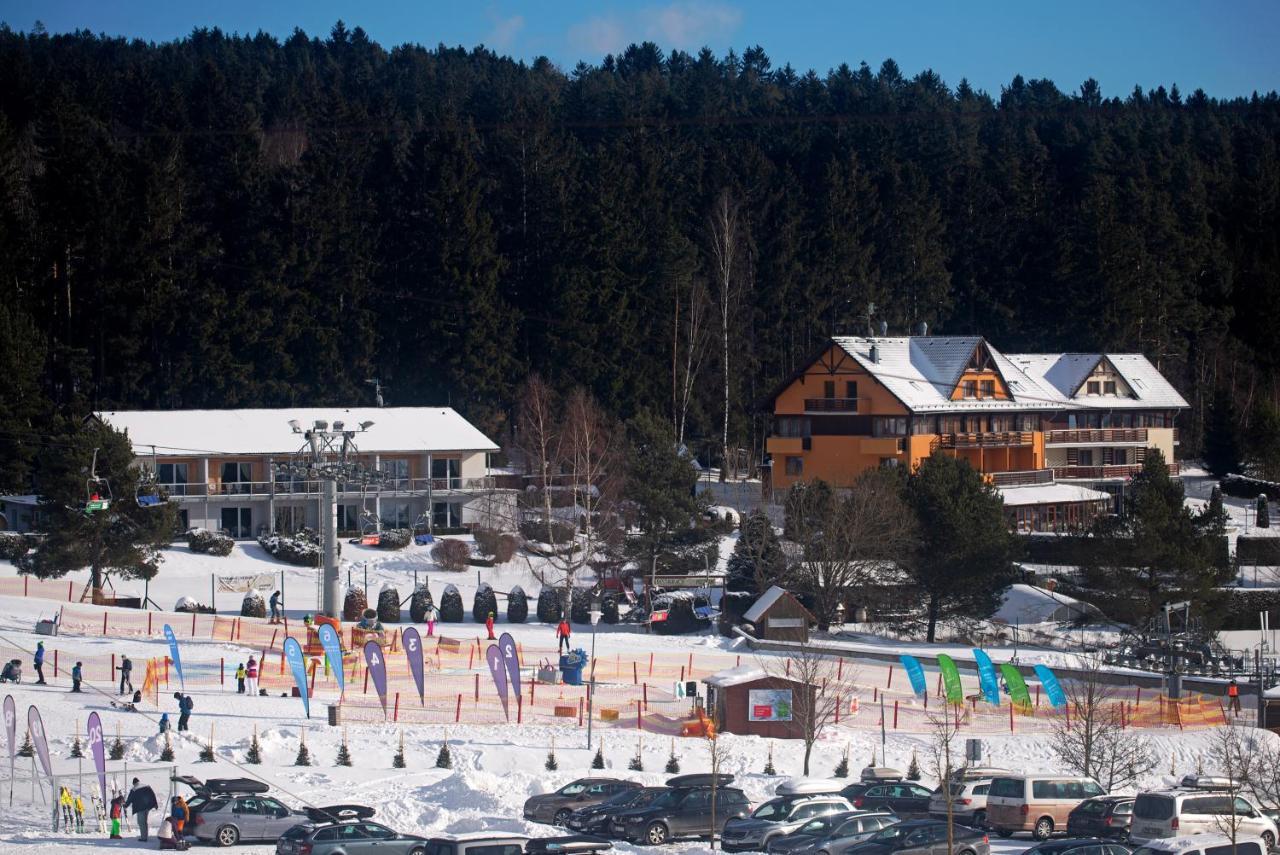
(98, 751)
(378, 670)
(413, 651)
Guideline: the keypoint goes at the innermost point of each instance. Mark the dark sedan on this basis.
(1102, 816)
(847, 828)
(1080, 846)
(596, 819)
(905, 798)
(920, 837)
(556, 807)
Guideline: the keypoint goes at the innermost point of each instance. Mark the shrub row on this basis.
(209, 542)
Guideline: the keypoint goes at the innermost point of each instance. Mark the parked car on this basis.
(556, 807)
(347, 830)
(836, 828)
(1203, 844)
(919, 837)
(1174, 813)
(596, 818)
(203, 791)
(1101, 816)
(775, 818)
(576, 844)
(905, 798)
(477, 844)
(682, 811)
(228, 820)
(968, 802)
(1079, 846)
(1039, 804)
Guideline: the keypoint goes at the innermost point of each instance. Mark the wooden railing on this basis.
(996, 439)
(830, 405)
(309, 488)
(1079, 437)
(1100, 472)
(1021, 478)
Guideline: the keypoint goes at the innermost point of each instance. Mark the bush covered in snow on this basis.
(418, 604)
(549, 609)
(451, 606)
(13, 545)
(252, 605)
(394, 538)
(209, 542)
(517, 605)
(301, 549)
(549, 532)
(451, 555)
(499, 546)
(354, 604)
(389, 605)
(188, 605)
(485, 604)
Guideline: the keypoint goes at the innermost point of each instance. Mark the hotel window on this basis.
(793, 426)
(969, 388)
(1093, 388)
(397, 472)
(1108, 387)
(988, 389)
(924, 425)
(174, 477)
(851, 390)
(237, 478)
(795, 466)
(889, 426)
(1086, 457)
(828, 388)
(1028, 422)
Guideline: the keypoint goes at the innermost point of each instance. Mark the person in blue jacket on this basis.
(77, 674)
(38, 663)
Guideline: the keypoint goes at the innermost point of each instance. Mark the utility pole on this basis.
(329, 455)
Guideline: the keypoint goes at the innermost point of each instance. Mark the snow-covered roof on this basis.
(1029, 604)
(1050, 494)
(922, 372)
(394, 429)
(766, 602)
(736, 676)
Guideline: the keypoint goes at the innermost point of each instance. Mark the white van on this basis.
(1177, 813)
(1203, 844)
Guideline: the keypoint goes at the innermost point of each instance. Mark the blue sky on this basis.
(1226, 48)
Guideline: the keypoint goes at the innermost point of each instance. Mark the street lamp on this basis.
(594, 614)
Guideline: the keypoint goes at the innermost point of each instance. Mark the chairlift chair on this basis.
(422, 524)
(147, 494)
(97, 490)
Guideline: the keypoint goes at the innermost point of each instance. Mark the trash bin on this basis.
(571, 665)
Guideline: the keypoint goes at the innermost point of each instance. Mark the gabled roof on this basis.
(1063, 374)
(395, 429)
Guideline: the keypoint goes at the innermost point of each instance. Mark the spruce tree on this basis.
(673, 762)
(598, 761)
(913, 770)
(254, 757)
(26, 749)
(551, 765)
(206, 753)
(842, 768)
(768, 763)
(166, 753)
(115, 751)
(444, 760)
(344, 753)
(637, 760)
(397, 762)
(77, 751)
(304, 756)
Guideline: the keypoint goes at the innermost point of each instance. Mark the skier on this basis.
(251, 676)
(164, 723)
(77, 674)
(276, 600)
(240, 672)
(488, 624)
(12, 672)
(126, 675)
(1233, 695)
(179, 816)
(429, 615)
(185, 706)
(67, 805)
(37, 662)
(143, 800)
(562, 635)
(117, 813)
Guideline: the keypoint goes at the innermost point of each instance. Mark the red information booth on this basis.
(746, 700)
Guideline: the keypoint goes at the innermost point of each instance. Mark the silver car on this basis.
(775, 818)
(968, 802)
(228, 820)
(360, 837)
(814, 835)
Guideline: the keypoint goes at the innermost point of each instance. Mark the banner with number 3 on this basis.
(413, 652)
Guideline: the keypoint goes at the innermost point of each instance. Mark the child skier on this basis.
(117, 813)
(240, 675)
(488, 624)
(251, 676)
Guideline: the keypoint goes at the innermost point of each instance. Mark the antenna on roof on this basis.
(377, 389)
(871, 310)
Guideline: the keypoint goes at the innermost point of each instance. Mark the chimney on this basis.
(875, 353)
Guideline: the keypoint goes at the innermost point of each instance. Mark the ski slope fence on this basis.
(638, 690)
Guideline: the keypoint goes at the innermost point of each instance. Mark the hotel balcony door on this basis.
(446, 515)
(238, 522)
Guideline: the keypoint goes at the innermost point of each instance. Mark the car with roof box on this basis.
(684, 810)
(230, 817)
(905, 798)
(557, 807)
(1079, 846)
(777, 817)
(1203, 844)
(968, 801)
(349, 830)
(574, 844)
(479, 843)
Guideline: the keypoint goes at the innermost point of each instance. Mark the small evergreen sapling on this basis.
(116, 749)
(598, 761)
(254, 757)
(77, 750)
(344, 753)
(768, 763)
(551, 765)
(842, 768)
(27, 749)
(673, 762)
(166, 753)
(397, 762)
(304, 756)
(444, 760)
(637, 762)
(913, 771)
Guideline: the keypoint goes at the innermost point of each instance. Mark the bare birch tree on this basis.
(1234, 755)
(943, 726)
(727, 252)
(826, 684)
(538, 441)
(1091, 739)
(689, 348)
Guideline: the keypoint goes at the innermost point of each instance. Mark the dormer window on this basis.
(987, 389)
(1108, 387)
(1094, 388)
(969, 388)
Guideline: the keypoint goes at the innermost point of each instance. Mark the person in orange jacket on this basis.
(562, 635)
(488, 624)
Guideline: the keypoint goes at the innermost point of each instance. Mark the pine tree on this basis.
(166, 753)
(206, 753)
(673, 762)
(842, 768)
(768, 763)
(344, 754)
(913, 770)
(397, 762)
(254, 757)
(551, 765)
(1222, 436)
(444, 760)
(116, 750)
(26, 749)
(598, 761)
(77, 751)
(637, 761)
(304, 756)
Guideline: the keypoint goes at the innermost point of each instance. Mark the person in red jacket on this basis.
(562, 635)
(488, 624)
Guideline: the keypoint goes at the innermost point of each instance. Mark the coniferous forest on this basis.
(243, 221)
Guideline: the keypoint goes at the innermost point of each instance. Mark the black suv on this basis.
(684, 810)
(905, 798)
(596, 819)
(1102, 816)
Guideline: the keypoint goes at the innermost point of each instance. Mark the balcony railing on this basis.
(260, 489)
(831, 405)
(1022, 478)
(997, 439)
(1104, 472)
(1103, 435)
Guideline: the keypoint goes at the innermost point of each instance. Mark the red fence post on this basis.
(282, 660)
(113, 668)
(167, 663)
(519, 709)
(55, 663)
(690, 664)
(580, 709)
(639, 725)
(837, 709)
(477, 687)
(1037, 696)
(366, 682)
(532, 684)
(104, 621)
(395, 714)
(875, 694)
(457, 712)
(889, 685)
(148, 622)
(71, 591)
(193, 624)
(895, 715)
(635, 673)
(788, 666)
(1011, 716)
(222, 671)
(1137, 697)
(737, 660)
(650, 663)
(312, 690)
(840, 668)
(646, 695)
(26, 584)
(681, 673)
(472, 660)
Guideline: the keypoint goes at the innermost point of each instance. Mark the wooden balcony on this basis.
(999, 439)
(1102, 473)
(1021, 478)
(831, 405)
(1107, 436)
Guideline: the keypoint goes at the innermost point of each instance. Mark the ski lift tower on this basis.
(329, 455)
